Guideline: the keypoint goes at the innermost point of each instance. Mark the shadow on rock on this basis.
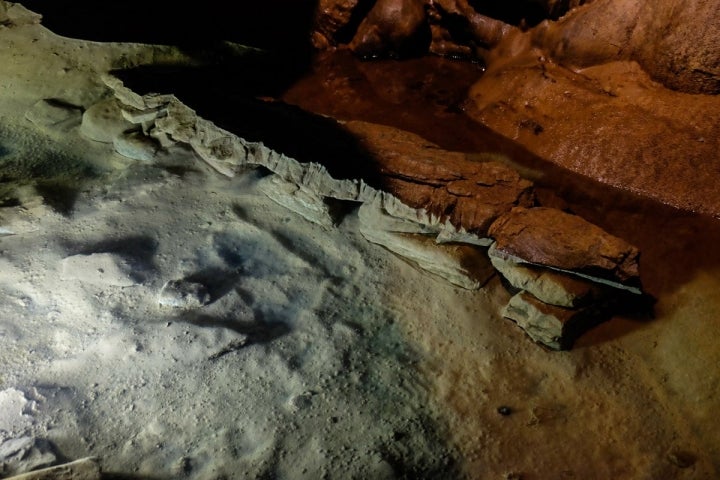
(264, 329)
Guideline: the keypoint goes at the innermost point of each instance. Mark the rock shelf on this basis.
(437, 209)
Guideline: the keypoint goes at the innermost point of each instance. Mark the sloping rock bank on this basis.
(437, 209)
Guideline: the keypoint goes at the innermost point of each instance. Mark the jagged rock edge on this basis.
(229, 154)
(182, 124)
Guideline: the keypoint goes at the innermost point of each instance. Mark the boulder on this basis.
(552, 238)
(552, 326)
(331, 18)
(675, 41)
(548, 286)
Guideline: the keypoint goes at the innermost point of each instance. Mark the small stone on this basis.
(504, 411)
(184, 294)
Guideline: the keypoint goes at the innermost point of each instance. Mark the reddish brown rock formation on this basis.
(675, 41)
(331, 17)
(548, 286)
(468, 193)
(611, 123)
(583, 91)
(390, 28)
(551, 238)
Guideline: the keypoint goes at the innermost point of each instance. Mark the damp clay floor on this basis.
(319, 355)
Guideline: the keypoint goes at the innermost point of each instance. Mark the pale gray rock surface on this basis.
(136, 146)
(297, 199)
(184, 294)
(466, 266)
(462, 265)
(51, 115)
(104, 122)
(102, 269)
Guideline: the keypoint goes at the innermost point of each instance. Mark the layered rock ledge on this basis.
(437, 209)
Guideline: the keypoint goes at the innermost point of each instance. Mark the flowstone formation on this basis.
(443, 212)
(624, 92)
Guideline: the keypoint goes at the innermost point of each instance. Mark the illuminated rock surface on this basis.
(320, 354)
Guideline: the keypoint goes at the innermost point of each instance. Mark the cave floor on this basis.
(320, 355)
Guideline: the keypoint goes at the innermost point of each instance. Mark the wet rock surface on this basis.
(468, 194)
(622, 92)
(552, 238)
(674, 41)
(609, 122)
